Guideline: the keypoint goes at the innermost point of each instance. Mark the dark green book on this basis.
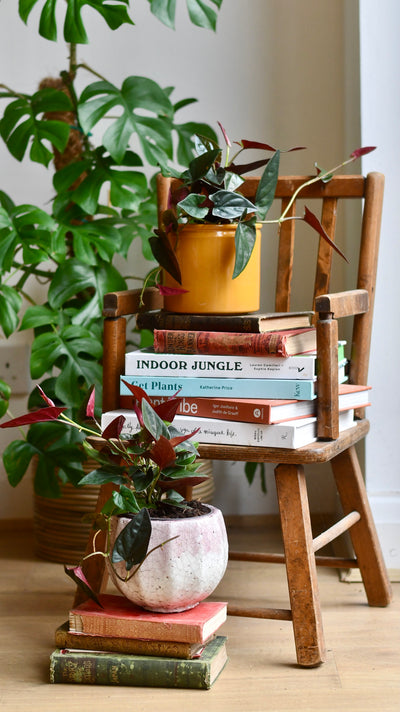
(88, 667)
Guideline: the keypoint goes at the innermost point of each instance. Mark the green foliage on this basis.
(201, 12)
(115, 14)
(55, 449)
(18, 131)
(103, 200)
(5, 392)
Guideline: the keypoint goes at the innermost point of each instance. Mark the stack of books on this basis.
(122, 644)
(252, 386)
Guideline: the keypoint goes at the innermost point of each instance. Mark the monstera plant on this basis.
(101, 201)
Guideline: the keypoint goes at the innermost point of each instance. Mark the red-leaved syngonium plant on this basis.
(147, 466)
(208, 191)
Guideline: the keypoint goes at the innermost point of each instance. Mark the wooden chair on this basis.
(337, 448)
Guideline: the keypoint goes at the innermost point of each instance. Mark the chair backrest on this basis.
(331, 196)
(357, 302)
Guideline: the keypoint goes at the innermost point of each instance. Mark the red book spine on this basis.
(219, 342)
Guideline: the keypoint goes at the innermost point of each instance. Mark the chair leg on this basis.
(300, 564)
(352, 492)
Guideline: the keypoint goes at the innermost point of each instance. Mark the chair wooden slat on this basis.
(325, 253)
(284, 271)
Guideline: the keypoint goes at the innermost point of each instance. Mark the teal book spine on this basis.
(225, 388)
(87, 667)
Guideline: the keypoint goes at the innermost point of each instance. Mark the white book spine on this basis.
(290, 434)
(145, 363)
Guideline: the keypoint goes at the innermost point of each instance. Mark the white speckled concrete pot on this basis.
(182, 573)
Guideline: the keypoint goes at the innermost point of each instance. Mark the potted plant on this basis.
(211, 229)
(66, 254)
(163, 553)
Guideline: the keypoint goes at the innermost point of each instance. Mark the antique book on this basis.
(121, 618)
(276, 343)
(134, 646)
(227, 387)
(251, 323)
(288, 434)
(89, 667)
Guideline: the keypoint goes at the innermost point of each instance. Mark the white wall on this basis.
(380, 112)
(275, 71)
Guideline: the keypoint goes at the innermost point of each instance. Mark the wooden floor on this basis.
(362, 672)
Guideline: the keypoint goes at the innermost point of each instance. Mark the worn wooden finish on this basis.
(328, 386)
(284, 270)
(325, 253)
(340, 304)
(123, 303)
(114, 340)
(366, 279)
(338, 448)
(300, 564)
(351, 488)
(334, 562)
(335, 530)
(276, 614)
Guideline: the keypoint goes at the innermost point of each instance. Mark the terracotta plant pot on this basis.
(182, 573)
(206, 256)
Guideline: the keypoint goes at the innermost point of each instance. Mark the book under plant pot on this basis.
(206, 257)
(186, 561)
(60, 530)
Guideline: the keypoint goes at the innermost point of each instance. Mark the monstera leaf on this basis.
(21, 125)
(54, 447)
(74, 350)
(136, 94)
(114, 12)
(201, 12)
(10, 304)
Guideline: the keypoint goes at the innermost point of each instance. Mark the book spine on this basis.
(226, 388)
(175, 321)
(282, 435)
(139, 363)
(210, 342)
(257, 410)
(121, 627)
(133, 646)
(89, 668)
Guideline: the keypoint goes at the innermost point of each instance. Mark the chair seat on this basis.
(319, 451)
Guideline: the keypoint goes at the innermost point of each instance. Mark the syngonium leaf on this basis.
(137, 94)
(21, 125)
(113, 12)
(152, 421)
(77, 575)
(132, 543)
(55, 448)
(267, 186)
(245, 237)
(229, 205)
